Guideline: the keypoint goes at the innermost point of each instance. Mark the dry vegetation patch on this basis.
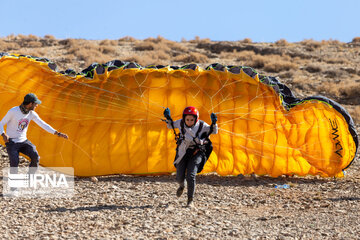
(305, 65)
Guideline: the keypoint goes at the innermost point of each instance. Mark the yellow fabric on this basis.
(113, 121)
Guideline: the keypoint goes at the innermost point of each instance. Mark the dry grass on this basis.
(200, 40)
(49, 37)
(337, 60)
(282, 42)
(8, 46)
(127, 39)
(271, 63)
(192, 57)
(108, 50)
(279, 66)
(246, 40)
(356, 40)
(37, 52)
(355, 113)
(108, 42)
(311, 44)
(348, 91)
(328, 60)
(313, 68)
(175, 46)
(144, 46)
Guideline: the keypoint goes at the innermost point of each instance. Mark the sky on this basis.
(220, 20)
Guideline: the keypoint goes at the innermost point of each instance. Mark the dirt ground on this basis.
(145, 207)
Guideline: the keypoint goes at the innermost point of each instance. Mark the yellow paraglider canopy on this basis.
(112, 115)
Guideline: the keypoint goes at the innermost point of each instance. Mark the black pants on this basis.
(188, 166)
(27, 148)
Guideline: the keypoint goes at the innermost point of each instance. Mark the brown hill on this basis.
(329, 68)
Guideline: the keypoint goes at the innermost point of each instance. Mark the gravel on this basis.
(146, 207)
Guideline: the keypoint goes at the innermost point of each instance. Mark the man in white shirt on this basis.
(17, 120)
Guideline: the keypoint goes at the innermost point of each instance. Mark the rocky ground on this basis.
(145, 207)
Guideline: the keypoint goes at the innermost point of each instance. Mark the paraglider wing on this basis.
(112, 113)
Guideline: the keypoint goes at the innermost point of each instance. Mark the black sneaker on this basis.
(190, 203)
(180, 191)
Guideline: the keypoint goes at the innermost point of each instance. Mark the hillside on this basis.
(329, 68)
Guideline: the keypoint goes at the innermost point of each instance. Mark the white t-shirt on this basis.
(18, 123)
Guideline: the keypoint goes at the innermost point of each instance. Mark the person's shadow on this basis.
(97, 208)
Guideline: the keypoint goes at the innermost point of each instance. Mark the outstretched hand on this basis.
(167, 114)
(213, 118)
(5, 137)
(63, 135)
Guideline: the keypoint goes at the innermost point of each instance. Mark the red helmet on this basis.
(191, 111)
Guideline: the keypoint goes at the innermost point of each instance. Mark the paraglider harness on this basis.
(202, 144)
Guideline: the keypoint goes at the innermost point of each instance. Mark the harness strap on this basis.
(200, 128)
(182, 126)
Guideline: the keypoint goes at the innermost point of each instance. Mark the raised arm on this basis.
(47, 127)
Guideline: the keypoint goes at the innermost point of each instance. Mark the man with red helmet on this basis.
(193, 147)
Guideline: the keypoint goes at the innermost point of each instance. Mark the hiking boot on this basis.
(190, 203)
(180, 191)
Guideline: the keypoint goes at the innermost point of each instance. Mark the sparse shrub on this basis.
(257, 61)
(127, 39)
(356, 40)
(279, 65)
(89, 56)
(350, 91)
(313, 68)
(34, 44)
(338, 60)
(78, 45)
(355, 114)
(108, 42)
(162, 46)
(140, 60)
(162, 55)
(311, 44)
(73, 43)
(156, 40)
(108, 49)
(10, 37)
(199, 40)
(333, 73)
(32, 37)
(246, 40)
(287, 74)
(6, 46)
(144, 46)
(331, 42)
(229, 55)
(245, 55)
(152, 46)
(175, 46)
(37, 52)
(192, 57)
(281, 42)
(49, 37)
(344, 90)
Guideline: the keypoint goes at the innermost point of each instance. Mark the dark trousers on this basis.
(27, 148)
(188, 166)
